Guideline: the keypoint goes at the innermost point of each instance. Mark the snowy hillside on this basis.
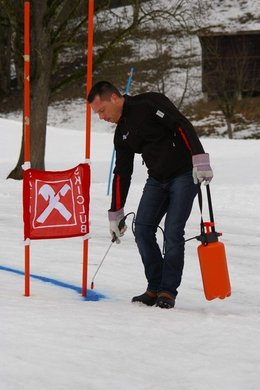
(234, 15)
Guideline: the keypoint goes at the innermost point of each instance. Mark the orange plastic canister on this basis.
(214, 270)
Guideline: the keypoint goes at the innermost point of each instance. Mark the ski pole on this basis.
(120, 226)
(105, 255)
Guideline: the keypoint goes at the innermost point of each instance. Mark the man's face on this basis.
(108, 110)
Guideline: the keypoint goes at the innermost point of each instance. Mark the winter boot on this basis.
(148, 298)
(165, 301)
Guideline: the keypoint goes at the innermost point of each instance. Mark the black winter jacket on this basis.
(152, 126)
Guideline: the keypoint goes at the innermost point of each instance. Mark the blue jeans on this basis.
(173, 199)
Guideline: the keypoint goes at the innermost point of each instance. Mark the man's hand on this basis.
(117, 226)
(201, 169)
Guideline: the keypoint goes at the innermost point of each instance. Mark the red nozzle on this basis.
(208, 226)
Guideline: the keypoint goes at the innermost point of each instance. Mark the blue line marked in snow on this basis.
(91, 295)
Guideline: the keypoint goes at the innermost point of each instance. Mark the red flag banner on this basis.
(56, 204)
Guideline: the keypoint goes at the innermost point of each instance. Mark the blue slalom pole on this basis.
(110, 171)
(113, 153)
(129, 80)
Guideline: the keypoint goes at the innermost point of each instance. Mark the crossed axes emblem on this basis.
(47, 192)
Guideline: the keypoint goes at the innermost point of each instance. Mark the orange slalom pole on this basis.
(89, 74)
(88, 130)
(27, 271)
(26, 81)
(26, 114)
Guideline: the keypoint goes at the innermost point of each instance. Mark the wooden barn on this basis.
(230, 63)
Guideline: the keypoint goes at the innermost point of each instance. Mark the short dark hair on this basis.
(104, 90)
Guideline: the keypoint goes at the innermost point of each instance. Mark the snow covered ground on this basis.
(57, 340)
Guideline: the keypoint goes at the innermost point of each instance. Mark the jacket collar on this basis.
(126, 109)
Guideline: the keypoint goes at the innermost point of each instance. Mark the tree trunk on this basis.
(5, 59)
(229, 128)
(41, 60)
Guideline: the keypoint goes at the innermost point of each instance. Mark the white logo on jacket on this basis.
(160, 113)
(125, 136)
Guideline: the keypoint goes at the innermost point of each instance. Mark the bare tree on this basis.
(57, 25)
(50, 31)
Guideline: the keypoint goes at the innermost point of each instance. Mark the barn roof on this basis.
(230, 33)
